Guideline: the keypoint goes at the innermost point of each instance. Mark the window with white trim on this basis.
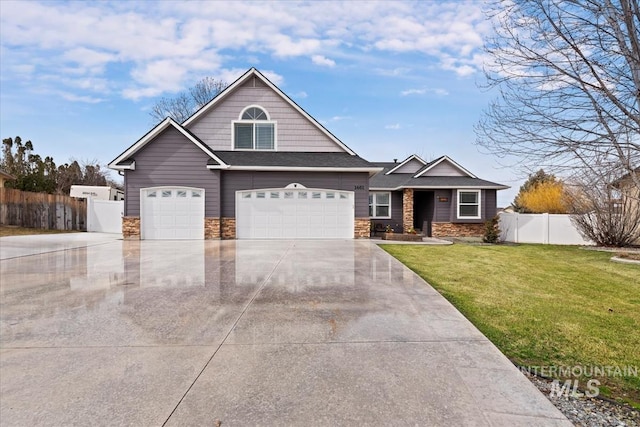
(469, 204)
(380, 205)
(254, 130)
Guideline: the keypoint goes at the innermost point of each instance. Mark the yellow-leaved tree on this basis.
(544, 197)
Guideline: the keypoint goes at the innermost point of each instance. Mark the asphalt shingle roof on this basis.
(407, 180)
(292, 159)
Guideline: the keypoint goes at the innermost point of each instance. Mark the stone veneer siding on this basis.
(362, 228)
(131, 227)
(407, 209)
(449, 229)
(212, 228)
(228, 228)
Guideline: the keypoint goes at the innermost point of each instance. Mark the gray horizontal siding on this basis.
(233, 181)
(444, 169)
(411, 166)
(396, 213)
(294, 131)
(171, 160)
(443, 210)
(488, 205)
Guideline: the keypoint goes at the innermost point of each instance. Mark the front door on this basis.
(423, 211)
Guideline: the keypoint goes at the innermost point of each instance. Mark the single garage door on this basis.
(172, 213)
(294, 213)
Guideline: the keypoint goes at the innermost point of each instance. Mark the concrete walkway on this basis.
(18, 246)
(247, 333)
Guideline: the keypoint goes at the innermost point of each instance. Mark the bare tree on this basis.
(184, 104)
(606, 210)
(568, 75)
(205, 90)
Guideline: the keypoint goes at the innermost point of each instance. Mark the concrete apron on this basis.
(245, 332)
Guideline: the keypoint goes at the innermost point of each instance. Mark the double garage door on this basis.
(294, 213)
(286, 213)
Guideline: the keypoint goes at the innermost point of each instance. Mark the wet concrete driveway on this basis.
(245, 333)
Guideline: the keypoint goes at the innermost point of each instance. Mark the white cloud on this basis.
(300, 95)
(413, 92)
(170, 45)
(395, 126)
(80, 98)
(423, 91)
(321, 60)
(395, 72)
(92, 60)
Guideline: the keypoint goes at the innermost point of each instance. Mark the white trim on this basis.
(253, 72)
(456, 165)
(254, 106)
(275, 135)
(154, 133)
(295, 169)
(479, 192)
(375, 204)
(447, 187)
(407, 160)
(295, 188)
(295, 185)
(130, 166)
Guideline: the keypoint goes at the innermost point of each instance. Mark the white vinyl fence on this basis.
(548, 229)
(104, 216)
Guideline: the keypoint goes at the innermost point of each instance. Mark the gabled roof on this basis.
(398, 181)
(405, 161)
(124, 161)
(244, 78)
(439, 160)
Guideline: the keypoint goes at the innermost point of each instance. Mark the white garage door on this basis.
(294, 213)
(172, 213)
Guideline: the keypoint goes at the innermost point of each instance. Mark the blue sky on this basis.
(388, 78)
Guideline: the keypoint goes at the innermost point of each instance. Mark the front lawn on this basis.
(543, 305)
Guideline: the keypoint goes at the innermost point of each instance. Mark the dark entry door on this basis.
(423, 211)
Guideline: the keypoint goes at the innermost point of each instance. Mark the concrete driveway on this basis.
(247, 333)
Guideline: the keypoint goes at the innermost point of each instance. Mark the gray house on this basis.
(249, 164)
(252, 164)
(439, 198)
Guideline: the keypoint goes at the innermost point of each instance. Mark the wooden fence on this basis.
(42, 210)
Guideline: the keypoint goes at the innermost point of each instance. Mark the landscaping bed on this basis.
(402, 237)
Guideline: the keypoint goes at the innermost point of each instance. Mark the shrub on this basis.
(491, 230)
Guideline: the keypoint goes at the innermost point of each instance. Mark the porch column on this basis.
(407, 209)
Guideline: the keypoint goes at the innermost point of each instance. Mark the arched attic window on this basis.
(254, 130)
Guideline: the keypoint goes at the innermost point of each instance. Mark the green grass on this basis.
(543, 305)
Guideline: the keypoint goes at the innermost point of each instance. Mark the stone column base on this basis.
(228, 228)
(131, 227)
(361, 228)
(450, 229)
(211, 228)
